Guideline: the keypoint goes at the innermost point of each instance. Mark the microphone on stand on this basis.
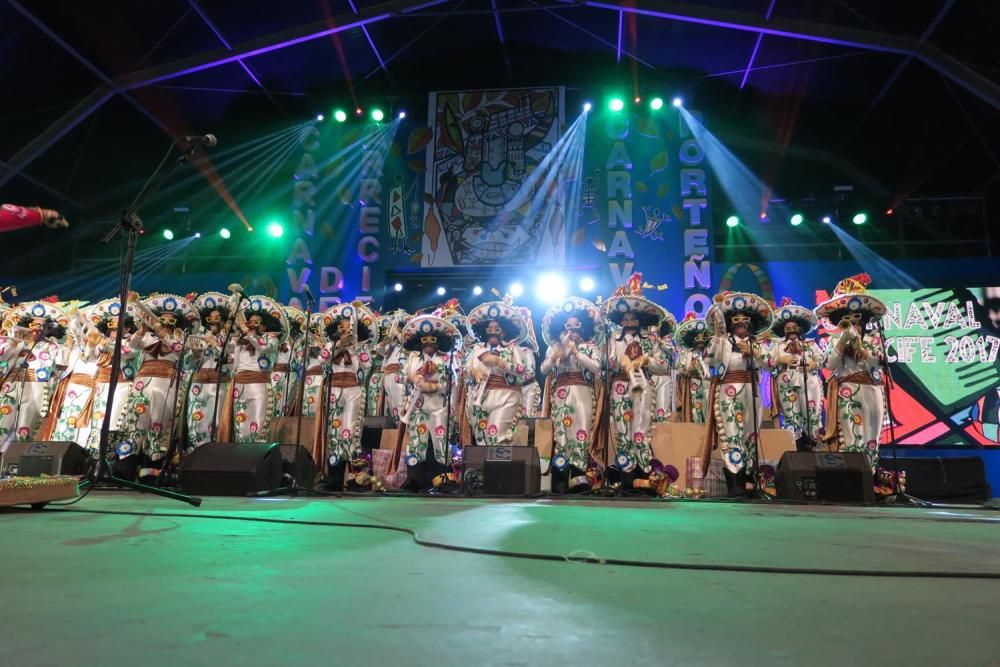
(206, 140)
(308, 293)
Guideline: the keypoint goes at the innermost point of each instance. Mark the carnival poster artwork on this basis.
(481, 203)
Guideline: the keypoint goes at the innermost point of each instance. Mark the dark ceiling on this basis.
(809, 114)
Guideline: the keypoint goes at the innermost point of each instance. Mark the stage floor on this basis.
(153, 589)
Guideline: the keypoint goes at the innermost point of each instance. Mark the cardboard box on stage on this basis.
(674, 443)
(542, 435)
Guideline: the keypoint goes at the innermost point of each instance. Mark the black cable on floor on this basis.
(593, 560)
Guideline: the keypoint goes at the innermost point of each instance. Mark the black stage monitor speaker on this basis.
(830, 476)
(37, 458)
(958, 480)
(371, 432)
(232, 469)
(297, 463)
(501, 471)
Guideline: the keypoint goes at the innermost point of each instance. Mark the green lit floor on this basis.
(106, 589)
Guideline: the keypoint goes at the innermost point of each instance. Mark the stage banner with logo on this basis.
(645, 205)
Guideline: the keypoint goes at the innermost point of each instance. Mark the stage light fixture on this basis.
(275, 229)
(197, 235)
(678, 102)
(320, 117)
(398, 287)
(225, 233)
(358, 111)
(587, 284)
(827, 220)
(377, 115)
(441, 291)
(797, 219)
(516, 289)
(168, 234)
(477, 290)
(638, 99)
(859, 218)
(656, 103)
(340, 115)
(587, 106)
(402, 115)
(616, 104)
(732, 221)
(550, 287)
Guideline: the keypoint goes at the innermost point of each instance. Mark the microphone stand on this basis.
(22, 371)
(898, 497)
(807, 439)
(175, 433)
(300, 389)
(752, 367)
(221, 364)
(131, 225)
(606, 407)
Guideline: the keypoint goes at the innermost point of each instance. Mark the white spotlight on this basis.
(587, 284)
(441, 291)
(398, 287)
(827, 220)
(551, 287)
(319, 117)
(516, 289)
(677, 102)
(586, 107)
(477, 290)
(402, 115)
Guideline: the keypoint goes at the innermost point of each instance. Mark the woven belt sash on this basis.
(281, 368)
(156, 368)
(392, 368)
(498, 382)
(104, 375)
(206, 375)
(252, 377)
(737, 376)
(344, 380)
(570, 379)
(861, 377)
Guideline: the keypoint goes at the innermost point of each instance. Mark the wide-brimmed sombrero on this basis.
(296, 318)
(187, 316)
(554, 320)
(744, 303)
(23, 313)
(206, 302)
(506, 314)
(362, 321)
(423, 326)
(629, 298)
(530, 340)
(850, 296)
(690, 327)
(791, 312)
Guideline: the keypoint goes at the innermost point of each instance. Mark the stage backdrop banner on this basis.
(644, 205)
(481, 203)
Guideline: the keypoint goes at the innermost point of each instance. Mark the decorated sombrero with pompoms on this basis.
(851, 296)
(270, 311)
(187, 316)
(530, 340)
(629, 298)
(451, 311)
(206, 302)
(424, 327)
(362, 321)
(296, 320)
(791, 312)
(23, 313)
(504, 312)
(744, 303)
(554, 320)
(107, 310)
(690, 327)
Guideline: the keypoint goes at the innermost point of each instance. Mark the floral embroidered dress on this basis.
(693, 379)
(493, 403)
(28, 390)
(253, 400)
(573, 401)
(149, 418)
(663, 403)
(202, 401)
(394, 380)
(632, 396)
(531, 391)
(75, 397)
(425, 414)
(857, 413)
(733, 402)
(131, 360)
(798, 389)
(10, 359)
(348, 366)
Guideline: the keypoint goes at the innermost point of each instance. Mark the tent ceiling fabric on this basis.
(198, 65)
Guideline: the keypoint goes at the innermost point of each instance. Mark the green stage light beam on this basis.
(797, 219)
(168, 234)
(225, 233)
(732, 221)
(275, 229)
(377, 115)
(340, 115)
(616, 104)
(859, 218)
(656, 103)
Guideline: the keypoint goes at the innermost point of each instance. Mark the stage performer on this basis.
(38, 329)
(393, 378)
(451, 312)
(348, 328)
(317, 360)
(104, 316)
(855, 403)
(666, 353)
(496, 371)
(572, 389)
(288, 364)
(430, 342)
(735, 410)
(794, 361)
(165, 322)
(531, 391)
(19, 217)
(693, 374)
(261, 327)
(632, 361)
(73, 398)
(214, 308)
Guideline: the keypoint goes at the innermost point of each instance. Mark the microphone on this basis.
(308, 293)
(237, 289)
(206, 140)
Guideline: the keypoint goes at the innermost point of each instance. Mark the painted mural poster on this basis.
(480, 203)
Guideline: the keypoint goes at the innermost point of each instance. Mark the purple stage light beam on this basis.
(756, 47)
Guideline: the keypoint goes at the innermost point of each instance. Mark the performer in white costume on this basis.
(796, 385)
